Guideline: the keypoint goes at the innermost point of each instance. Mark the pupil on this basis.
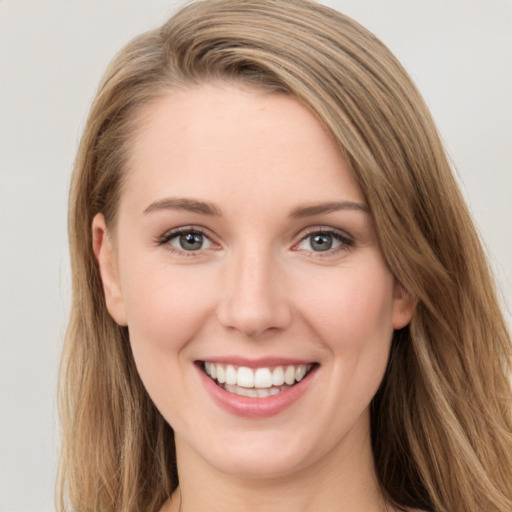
(191, 241)
(321, 242)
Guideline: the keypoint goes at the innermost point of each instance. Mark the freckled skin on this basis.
(257, 287)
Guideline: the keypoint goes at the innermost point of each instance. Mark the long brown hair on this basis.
(441, 420)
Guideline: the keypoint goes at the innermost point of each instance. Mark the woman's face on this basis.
(244, 251)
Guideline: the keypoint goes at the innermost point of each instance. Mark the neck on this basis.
(343, 480)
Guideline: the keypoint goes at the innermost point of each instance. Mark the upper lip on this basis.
(263, 362)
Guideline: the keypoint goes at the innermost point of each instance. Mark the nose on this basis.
(253, 299)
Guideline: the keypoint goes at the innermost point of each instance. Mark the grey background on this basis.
(52, 54)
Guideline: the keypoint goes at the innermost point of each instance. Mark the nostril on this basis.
(253, 320)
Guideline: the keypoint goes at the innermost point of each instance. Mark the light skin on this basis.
(275, 256)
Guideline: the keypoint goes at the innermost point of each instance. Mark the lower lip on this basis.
(247, 407)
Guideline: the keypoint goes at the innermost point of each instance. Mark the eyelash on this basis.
(174, 233)
(345, 241)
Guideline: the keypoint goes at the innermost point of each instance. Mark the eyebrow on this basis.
(181, 203)
(206, 208)
(332, 206)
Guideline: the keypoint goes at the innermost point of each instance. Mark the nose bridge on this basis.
(253, 300)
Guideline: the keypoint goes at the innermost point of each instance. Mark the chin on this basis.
(267, 456)
(261, 466)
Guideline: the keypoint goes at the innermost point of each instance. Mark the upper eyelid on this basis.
(165, 239)
(346, 240)
(298, 237)
(322, 229)
(174, 232)
(170, 233)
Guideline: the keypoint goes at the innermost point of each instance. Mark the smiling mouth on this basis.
(256, 382)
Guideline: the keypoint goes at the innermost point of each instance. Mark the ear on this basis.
(105, 254)
(404, 304)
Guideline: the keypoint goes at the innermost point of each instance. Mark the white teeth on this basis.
(245, 377)
(300, 373)
(260, 378)
(263, 378)
(254, 392)
(221, 374)
(237, 390)
(250, 392)
(289, 375)
(278, 376)
(231, 374)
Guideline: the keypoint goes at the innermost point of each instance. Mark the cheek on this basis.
(354, 321)
(351, 315)
(163, 302)
(353, 305)
(165, 307)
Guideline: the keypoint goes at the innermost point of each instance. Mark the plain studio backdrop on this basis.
(52, 55)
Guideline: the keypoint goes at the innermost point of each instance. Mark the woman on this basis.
(280, 299)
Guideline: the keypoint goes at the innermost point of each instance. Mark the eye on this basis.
(324, 241)
(186, 239)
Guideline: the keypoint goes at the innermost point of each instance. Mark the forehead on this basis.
(226, 139)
